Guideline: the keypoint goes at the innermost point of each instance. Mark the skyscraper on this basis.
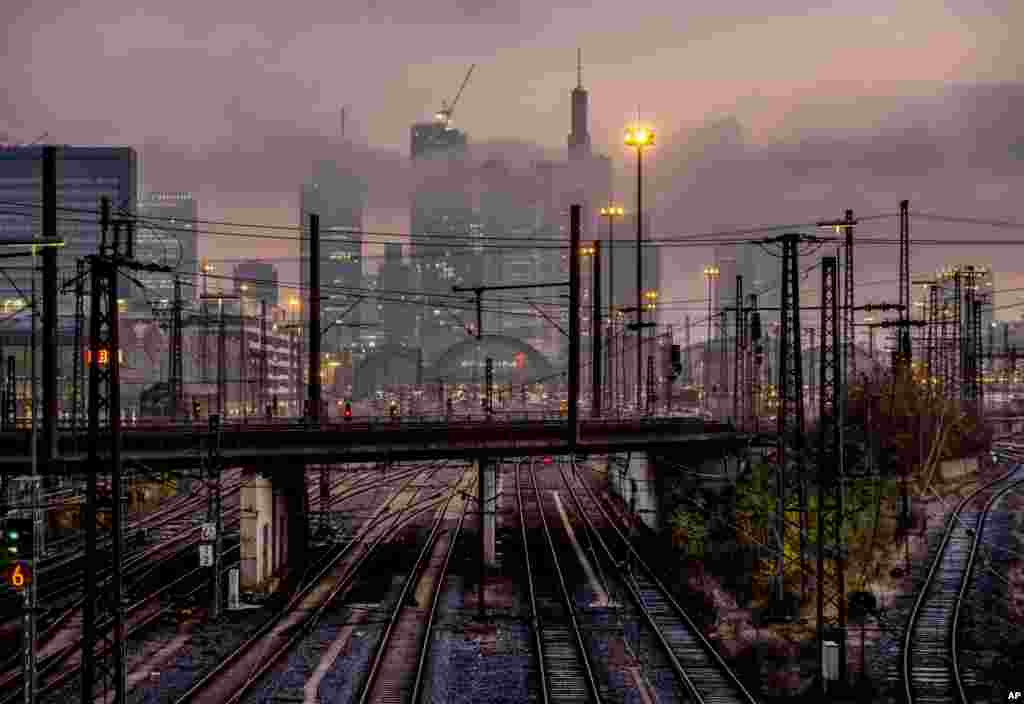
(84, 175)
(338, 196)
(444, 227)
(394, 301)
(579, 136)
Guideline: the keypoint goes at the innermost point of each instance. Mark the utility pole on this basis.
(829, 481)
(686, 351)
(222, 386)
(204, 335)
(849, 331)
(314, 318)
(739, 347)
(574, 321)
(790, 418)
(50, 351)
(596, 332)
(903, 345)
(104, 410)
(78, 372)
(754, 371)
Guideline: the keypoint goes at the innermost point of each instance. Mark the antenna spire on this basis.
(579, 68)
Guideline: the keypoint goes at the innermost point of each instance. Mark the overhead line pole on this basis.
(596, 333)
(574, 320)
(314, 318)
(50, 352)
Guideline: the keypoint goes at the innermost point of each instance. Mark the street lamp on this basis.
(639, 137)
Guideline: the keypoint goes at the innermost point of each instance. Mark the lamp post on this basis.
(611, 211)
(639, 137)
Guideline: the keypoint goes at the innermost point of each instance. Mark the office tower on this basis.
(166, 235)
(507, 213)
(396, 307)
(579, 136)
(84, 175)
(445, 230)
(338, 196)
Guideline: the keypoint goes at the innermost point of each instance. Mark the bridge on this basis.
(295, 443)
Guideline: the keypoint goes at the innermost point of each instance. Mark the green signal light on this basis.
(13, 535)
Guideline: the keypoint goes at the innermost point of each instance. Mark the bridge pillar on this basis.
(487, 474)
(633, 477)
(256, 533)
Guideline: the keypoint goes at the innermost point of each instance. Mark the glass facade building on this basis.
(84, 175)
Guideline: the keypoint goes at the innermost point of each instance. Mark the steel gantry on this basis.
(830, 584)
(790, 414)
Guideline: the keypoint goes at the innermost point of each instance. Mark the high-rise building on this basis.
(256, 282)
(507, 211)
(397, 309)
(166, 235)
(444, 226)
(84, 175)
(579, 136)
(338, 196)
(437, 138)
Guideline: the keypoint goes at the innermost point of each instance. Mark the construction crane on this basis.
(444, 115)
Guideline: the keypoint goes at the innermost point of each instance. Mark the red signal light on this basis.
(547, 460)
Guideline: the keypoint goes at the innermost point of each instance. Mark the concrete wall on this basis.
(256, 533)
(637, 486)
(642, 485)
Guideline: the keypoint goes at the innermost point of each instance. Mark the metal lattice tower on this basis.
(790, 419)
(754, 367)
(103, 650)
(652, 394)
(222, 357)
(979, 372)
(739, 384)
(956, 356)
(831, 597)
(78, 370)
(968, 362)
(931, 331)
(903, 332)
(849, 331)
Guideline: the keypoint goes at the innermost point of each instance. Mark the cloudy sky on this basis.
(762, 117)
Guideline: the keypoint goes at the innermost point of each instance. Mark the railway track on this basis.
(406, 638)
(239, 671)
(61, 579)
(698, 668)
(929, 666)
(154, 583)
(566, 672)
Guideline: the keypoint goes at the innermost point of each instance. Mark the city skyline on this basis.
(749, 143)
